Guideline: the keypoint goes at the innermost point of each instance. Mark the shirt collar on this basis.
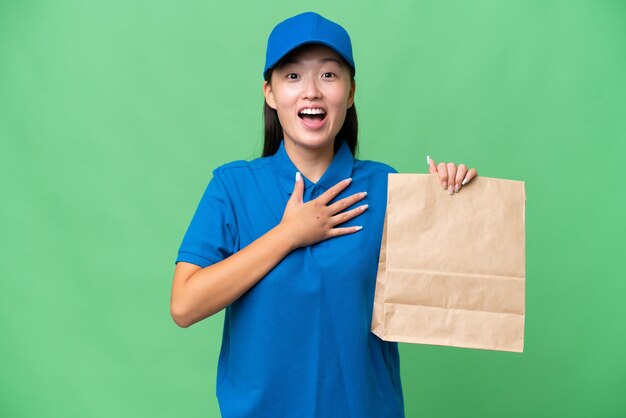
(340, 168)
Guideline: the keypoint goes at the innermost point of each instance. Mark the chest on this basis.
(344, 263)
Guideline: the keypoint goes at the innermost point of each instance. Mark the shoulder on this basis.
(240, 168)
(374, 166)
(229, 180)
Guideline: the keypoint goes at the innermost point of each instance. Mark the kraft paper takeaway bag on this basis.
(452, 268)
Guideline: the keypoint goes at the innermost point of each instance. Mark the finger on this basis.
(336, 232)
(460, 175)
(330, 194)
(346, 216)
(432, 168)
(469, 176)
(298, 189)
(451, 177)
(442, 170)
(346, 202)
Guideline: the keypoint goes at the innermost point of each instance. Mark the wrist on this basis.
(285, 238)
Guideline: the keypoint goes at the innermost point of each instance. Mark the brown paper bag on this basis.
(452, 268)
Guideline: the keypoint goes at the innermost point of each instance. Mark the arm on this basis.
(198, 292)
(201, 292)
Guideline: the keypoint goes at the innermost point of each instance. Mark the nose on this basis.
(311, 88)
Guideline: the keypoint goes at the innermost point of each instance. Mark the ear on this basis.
(269, 95)
(351, 94)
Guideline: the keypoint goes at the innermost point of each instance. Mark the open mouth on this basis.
(313, 115)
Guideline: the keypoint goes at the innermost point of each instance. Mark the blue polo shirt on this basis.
(298, 343)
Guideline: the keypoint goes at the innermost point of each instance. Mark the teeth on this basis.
(313, 112)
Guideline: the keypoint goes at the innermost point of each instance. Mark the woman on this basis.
(288, 243)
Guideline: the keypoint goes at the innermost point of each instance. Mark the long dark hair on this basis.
(274, 131)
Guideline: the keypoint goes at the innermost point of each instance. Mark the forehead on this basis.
(312, 52)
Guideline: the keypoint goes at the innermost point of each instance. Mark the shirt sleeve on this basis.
(212, 233)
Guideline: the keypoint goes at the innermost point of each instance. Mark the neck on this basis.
(311, 162)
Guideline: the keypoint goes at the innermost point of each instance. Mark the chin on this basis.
(313, 140)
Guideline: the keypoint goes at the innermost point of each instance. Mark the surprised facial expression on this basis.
(311, 91)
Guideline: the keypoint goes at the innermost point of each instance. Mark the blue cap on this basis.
(306, 28)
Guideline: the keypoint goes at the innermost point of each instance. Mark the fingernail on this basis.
(444, 184)
(363, 207)
(464, 181)
(358, 228)
(450, 190)
(457, 187)
(348, 180)
(363, 194)
(298, 176)
(428, 160)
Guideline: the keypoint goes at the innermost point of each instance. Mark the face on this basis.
(311, 93)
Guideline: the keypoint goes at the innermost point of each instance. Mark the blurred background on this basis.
(113, 115)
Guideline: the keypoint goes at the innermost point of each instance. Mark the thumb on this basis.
(432, 168)
(298, 188)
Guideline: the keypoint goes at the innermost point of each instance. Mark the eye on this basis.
(328, 74)
(289, 76)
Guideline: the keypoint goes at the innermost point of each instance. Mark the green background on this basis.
(114, 113)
